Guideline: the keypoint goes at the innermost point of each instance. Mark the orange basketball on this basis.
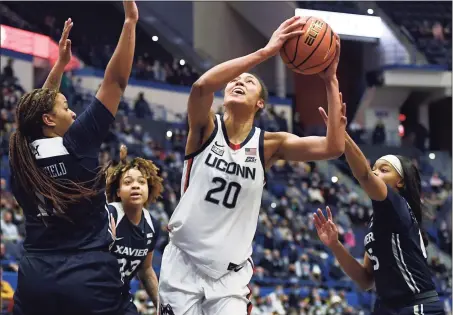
(311, 52)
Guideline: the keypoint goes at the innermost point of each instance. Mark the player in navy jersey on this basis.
(131, 186)
(67, 267)
(395, 258)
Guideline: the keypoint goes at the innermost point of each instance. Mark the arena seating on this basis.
(94, 43)
(293, 269)
(428, 25)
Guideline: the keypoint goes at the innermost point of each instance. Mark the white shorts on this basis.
(184, 290)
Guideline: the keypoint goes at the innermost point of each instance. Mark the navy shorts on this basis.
(129, 307)
(432, 308)
(72, 284)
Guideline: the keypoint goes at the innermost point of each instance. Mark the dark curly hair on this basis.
(148, 169)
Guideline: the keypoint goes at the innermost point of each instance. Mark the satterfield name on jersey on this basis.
(124, 250)
(55, 170)
(230, 168)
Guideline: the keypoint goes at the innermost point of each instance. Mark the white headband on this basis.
(395, 162)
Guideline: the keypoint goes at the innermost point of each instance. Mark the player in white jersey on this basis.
(206, 267)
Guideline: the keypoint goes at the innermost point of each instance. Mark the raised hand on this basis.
(343, 111)
(123, 153)
(64, 45)
(290, 28)
(327, 230)
(130, 11)
(331, 70)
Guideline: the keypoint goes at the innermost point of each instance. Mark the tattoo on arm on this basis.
(150, 282)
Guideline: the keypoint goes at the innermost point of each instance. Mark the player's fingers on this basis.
(321, 216)
(338, 48)
(323, 114)
(67, 28)
(341, 97)
(293, 34)
(329, 214)
(344, 120)
(316, 222)
(297, 25)
(68, 44)
(290, 21)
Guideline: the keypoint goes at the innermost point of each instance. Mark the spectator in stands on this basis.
(7, 294)
(8, 71)
(9, 229)
(438, 31)
(282, 121)
(436, 182)
(379, 133)
(7, 259)
(141, 107)
(141, 303)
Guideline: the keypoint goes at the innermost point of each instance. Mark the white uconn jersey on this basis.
(216, 218)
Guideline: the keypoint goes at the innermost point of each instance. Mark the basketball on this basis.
(311, 52)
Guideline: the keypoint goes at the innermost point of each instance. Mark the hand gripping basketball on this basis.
(331, 71)
(288, 29)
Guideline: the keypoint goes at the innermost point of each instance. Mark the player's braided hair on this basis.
(148, 169)
(33, 179)
(412, 191)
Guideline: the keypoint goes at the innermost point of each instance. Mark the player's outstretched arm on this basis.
(53, 81)
(373, 185)
(120, 65)
(293, 148)
(202, 93)
(328, 234)
(149, 278)
(336, 126)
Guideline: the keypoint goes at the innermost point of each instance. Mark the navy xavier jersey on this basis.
(133, 242)
(71, 157)
(394, 245)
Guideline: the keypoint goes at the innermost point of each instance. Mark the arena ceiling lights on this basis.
(353, 25)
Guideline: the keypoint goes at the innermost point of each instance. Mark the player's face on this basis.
(133, 188)
(61, 117)
(388, 174)
(244, 90)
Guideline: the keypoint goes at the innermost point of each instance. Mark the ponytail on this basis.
(34, 181)
(412, 191)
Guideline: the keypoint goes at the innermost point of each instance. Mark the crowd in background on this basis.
(295, 273)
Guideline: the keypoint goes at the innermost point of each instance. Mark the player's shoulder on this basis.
(116, 209)
(273, 141)
(276, 137)
(152, 222)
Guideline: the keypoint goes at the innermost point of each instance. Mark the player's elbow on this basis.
(367, 285)
(198, 87)
(367, 281)
(335, 149)
(116, 82)
(202, 87)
